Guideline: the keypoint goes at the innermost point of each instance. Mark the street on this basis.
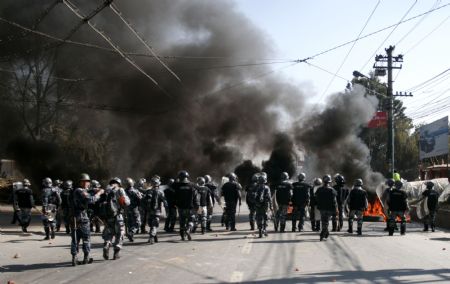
(224, 257)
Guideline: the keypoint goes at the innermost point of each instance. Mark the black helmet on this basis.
(156, 180)
(284, 176)
(255, 177)
(26, 182)
(141, 182)
(429, 184)
(398, 184)
(201, 181)
(232, 177)
(171, 181)
(115, 180)
(326, 179)
(359, 182)
(183, 175)
(47, 182)
(262, 179)
(317, 181)
(68, 184)
(95, 184)
(57, 182)
(129, 182)
(339, 179)
(85, 177)
(208, 178)
(390, 182)
(301, 176)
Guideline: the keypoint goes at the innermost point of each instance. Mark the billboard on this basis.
(379, 120)
(433, 139)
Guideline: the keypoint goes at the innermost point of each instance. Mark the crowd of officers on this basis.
(125, 208)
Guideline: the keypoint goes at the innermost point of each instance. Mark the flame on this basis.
(375, 209)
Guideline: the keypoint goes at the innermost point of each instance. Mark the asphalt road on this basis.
(224, 257)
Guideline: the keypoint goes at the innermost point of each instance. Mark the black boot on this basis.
(87, 259)
(203, 230)
(47, 233)
(106, 252)
(252, 225)
(359, 230)
(334, 226)
(182, 235)
(74, 260)
(116, 253)
(425, 227)
(97, 228)
(151, 240)
(294, 225)
(350, 227)
(317, 226)
(130, 237)
(208, 226)
(53, 233)
(313, 226)
(260, 232)
(67, 230)
(341, 224)
(433, 227)
(402, 229)
(282, 227)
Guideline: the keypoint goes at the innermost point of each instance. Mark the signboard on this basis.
(433, 139)
(379, 120)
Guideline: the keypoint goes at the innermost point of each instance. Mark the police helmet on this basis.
(115, 180)
(359, 182)
(26, 182)
(183, 175)
(255, 177)
(284, 176)
(201, 181)
(398, 184)
(262, 179)
(208, 178)
(326, 179)
(141, 182)
(68, 184)
(390, 182)
(47, 182)
(129, 182)
(232, 177)
(430, 184)
(171, 181)
(339, 179)
(156, 180)
(85, 177)
(95, 184)
(301, 176)
(317, 181)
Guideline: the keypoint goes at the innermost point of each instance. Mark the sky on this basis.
(299, 29)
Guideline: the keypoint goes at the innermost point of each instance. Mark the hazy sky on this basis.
(301, 28)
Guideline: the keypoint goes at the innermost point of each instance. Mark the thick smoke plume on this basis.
(217, 116)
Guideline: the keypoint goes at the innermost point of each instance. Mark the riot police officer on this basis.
(357, 203)
(80, 229)
(283, 195)
(57, 183)
(171, 208)
(263, 204)
(23, 202)
(212, 186)
(327, 204)
(205, 202)
(231, 191)
(314, 211)
(342, 194)
(93, 208)
(432, 203)
(66, 195)
(51, 200)
(398, 205)
(185, 200)
(111, 208)
(132, 211)
(300, 201)
(154, 200)
(250, 199)
(384, 197)
(142, 188)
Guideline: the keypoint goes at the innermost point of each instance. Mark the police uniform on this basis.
(300, 200)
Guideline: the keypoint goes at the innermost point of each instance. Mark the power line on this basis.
(52, 77)
(389, 35)
(424, 83)
(350, 50)
(149, 48)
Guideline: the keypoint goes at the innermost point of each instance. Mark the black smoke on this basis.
(282, 159)
(245, 172)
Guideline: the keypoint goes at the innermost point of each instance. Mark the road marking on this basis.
(236, 277)
(247, 248)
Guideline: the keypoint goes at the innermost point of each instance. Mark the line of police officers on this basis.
(124, 211)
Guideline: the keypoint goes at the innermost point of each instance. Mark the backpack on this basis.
(108, 206)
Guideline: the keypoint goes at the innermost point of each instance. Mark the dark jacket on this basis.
(397, 200)
(326, 198)
(204, 196)
(433, 198)
(24, 197)
(154, 199)
(342, 194)
(301, 194)
(231, 191)
(357, 199)
(185, 195)
(283, 193)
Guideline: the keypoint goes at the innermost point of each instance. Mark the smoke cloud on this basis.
(218, 116)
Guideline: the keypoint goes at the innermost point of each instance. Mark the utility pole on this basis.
(381, 70)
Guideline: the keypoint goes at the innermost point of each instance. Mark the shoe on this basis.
(233, 229)
(188, 234)
(130, 237)
(53, 234)
(116, 254)
(74, 260)
(46, 238)
(151, 240)
(87, 259)
(203, 231)
(155, 238)
(265, 233)
(260, 233)
(106, 253)
(24, 229)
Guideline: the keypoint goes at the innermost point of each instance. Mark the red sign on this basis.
(379, 120)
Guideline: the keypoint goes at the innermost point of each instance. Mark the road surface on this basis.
(227, 257)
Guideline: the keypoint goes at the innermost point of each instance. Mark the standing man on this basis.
(93, 208)
(262, 205)
(432, 197)
(231, 191)
(250, 199)
(142, 188)
(384, 197)
(283, 195)
(153, 201)
(357, 203)
(66, 197)
(51, 200)
(205, 202)
(212, 186)
(133, 215)
(80, 228)
(24, 201)
(111, 207)
(57, 183)
(185, 200)
(398, 205)
(342, 194)
(300, 200)
(327, 205)
(315, 212)
(171, 208)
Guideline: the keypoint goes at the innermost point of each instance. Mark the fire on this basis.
(375, 211)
